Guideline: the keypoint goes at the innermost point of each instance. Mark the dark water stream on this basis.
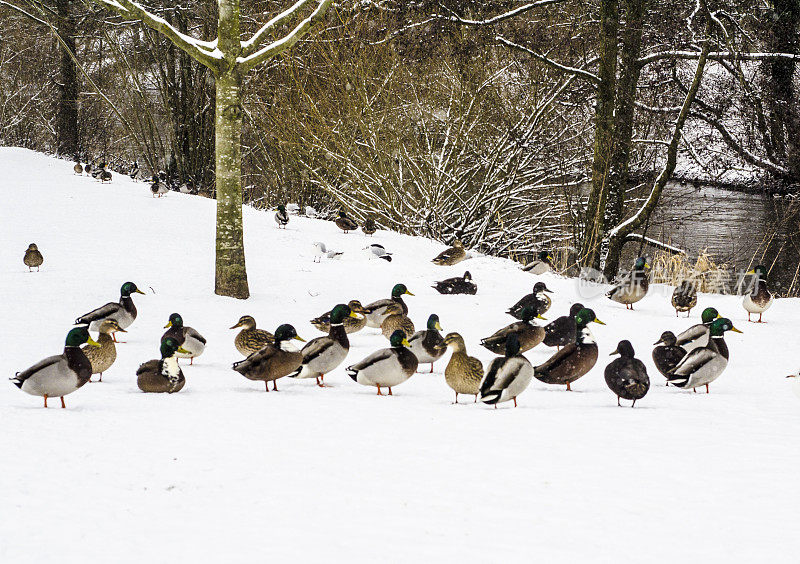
(738, 229)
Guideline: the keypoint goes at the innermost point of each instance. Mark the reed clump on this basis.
(704, 272)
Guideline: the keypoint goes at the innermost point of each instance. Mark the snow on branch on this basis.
(580, 73)
(716, 56)
(204, 52)
(501, 17)
(251, 45)
(289, 40)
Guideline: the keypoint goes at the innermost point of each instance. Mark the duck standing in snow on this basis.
(352, 323)
(164, 375)
(310, 212)
(123, 312)
(345, 223)
(684, 298)
(133, 173)
(251, 339)
(575, 359)
(760, 298)
(102, 357)
(186, 337)
(538, 300)
(697, 336)
(396, 320)
(667, 354)
(376, 311)
(369, 227)
(451, 256)
(77, 169)
(320, 250)
(528, 333)
(626, 376)
(275, 361)
(507, 376)
(33, 258)
(386, 368)
(59, 375)
(705, 364)
(105, 176)
(633, 286)
(463, 373)
(324, 354)
(281, 216)
(88, 168)
(427, 344)
(457, 285)
(158, 187)
(378, 251)
(562, 331)
(541, 264)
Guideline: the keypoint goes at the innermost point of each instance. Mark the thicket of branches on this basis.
(476, 119)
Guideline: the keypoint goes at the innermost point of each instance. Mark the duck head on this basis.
(667, 338)
(586, 316)
(356, 307)
(540, 287)
(709, 314)
(110, 326)
(170, 346)
(433, 323)
(79, 335)
(129, 288)
(33, 247)
(545, 257)
(399, 290)
(339, 312)
(624, 349)
(467, 276)
(175, 320)
(247, 322)
(398, 339)
(760, 271)
(453, 341)
(641, 264)
(576, 307)
(719, 326)
(286, 332)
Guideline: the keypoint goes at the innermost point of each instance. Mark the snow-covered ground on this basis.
(226, 471)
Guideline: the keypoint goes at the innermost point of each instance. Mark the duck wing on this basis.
(255, 360)
(190, 332)
(692, 362)
(20, 377)
(691, 334)
(316, 347)
(371, 360)
(100, 313)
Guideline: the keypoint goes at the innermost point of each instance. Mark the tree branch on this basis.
(715, 56)
(204, 52)
(579, 73)
(499, 18)
(251, 45)
(286, 42)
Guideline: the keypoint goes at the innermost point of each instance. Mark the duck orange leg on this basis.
(266, 383)
(515, 402)
(63, 405)
(45, 401)
(707, 389)
(456, 398)
(569, 388)
(275, 385)
(390, 390)
(379, 391)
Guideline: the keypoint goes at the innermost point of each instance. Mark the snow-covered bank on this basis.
(225, 470)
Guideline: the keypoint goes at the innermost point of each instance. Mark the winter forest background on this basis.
(515, 126)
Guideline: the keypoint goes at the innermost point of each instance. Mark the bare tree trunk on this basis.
(67, 110)
(594, 226)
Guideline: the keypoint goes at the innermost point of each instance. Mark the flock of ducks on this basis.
(692, 359)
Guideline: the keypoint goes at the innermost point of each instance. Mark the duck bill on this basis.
(168, 325)
(437, 326)
(598, 321)
(237, 325)
(355, 315)
(546, 290)
(659, 342)
(120, 329)
(405, 342)
(540, 316)
(92, 342)
(299, 338)
(735, 330)
(616, 351)
(138, 291)
(183, 350)
(409, 293)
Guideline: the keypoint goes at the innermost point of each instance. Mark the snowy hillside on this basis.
(223, 470)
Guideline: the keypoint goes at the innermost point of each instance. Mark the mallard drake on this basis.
(324, 354)
(528, 333)
(377, 251)
(386, 368)
(369, 227)
(626, 376)
(562, 330)
(451, 256)
(684, 298)
(281, 216)
(396, 320)
(457, 285)
(705, 364)
(344, 222)
(59, 375)
(541, 264)
(760, 298)
(162, 376)
(103, 357)
(352, 323)
(273, 361)
(376, 311)
(134, 170)
(463, 373)
(426, 345)
(105, 176)
(78, 169)
(33, 258)
(97, 171)
(633, 286)
(123, 312)
(575, 359)
(697, 336)
(667, 354)
(507, 376)
(250, 339)
(158, 188)
(187, 337)
(88, 168)
(537, 300)
(320, 250)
